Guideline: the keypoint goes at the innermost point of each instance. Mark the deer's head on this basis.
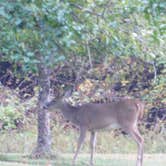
(58, 103)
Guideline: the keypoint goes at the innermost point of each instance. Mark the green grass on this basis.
(111, 150)
(100, 160)
(65, 141)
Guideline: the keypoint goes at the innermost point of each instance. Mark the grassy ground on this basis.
(100, 160)
(112, 150)
(65, 142)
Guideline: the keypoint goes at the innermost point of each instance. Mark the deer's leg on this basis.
(138, 138)
(92, 146)
(80, 141)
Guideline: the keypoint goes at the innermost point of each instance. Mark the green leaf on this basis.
(60, 58)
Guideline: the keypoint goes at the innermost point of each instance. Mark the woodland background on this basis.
(105, 49)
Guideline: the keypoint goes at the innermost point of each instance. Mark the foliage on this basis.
(12, 110)
(57, 29)
(52, 31)
(84, 33)
(9, 117)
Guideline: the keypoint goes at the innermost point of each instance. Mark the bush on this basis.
(9, 117)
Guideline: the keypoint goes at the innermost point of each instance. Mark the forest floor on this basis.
(100, 160)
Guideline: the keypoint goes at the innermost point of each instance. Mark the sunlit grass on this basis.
(111, 150)
(64, 141)
(100, 160)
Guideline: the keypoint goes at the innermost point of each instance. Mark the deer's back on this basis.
(98, 116)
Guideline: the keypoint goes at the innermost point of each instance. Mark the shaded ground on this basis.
(100, 160)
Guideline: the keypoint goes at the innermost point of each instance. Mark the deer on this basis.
(122, 114)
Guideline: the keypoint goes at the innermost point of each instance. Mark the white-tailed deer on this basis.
(123, 114)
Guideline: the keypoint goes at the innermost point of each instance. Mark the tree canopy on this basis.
(59, 30)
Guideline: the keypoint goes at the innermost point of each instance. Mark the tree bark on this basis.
(43, 148)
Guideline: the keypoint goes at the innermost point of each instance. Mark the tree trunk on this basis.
(43, 148)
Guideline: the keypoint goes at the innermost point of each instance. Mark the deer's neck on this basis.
(67, 110)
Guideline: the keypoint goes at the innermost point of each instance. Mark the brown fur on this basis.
(123, 114)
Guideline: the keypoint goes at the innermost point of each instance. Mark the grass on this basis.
(111, 150)
(100, 160)
(65, 142)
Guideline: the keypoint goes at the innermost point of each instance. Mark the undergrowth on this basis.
(64, 141)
